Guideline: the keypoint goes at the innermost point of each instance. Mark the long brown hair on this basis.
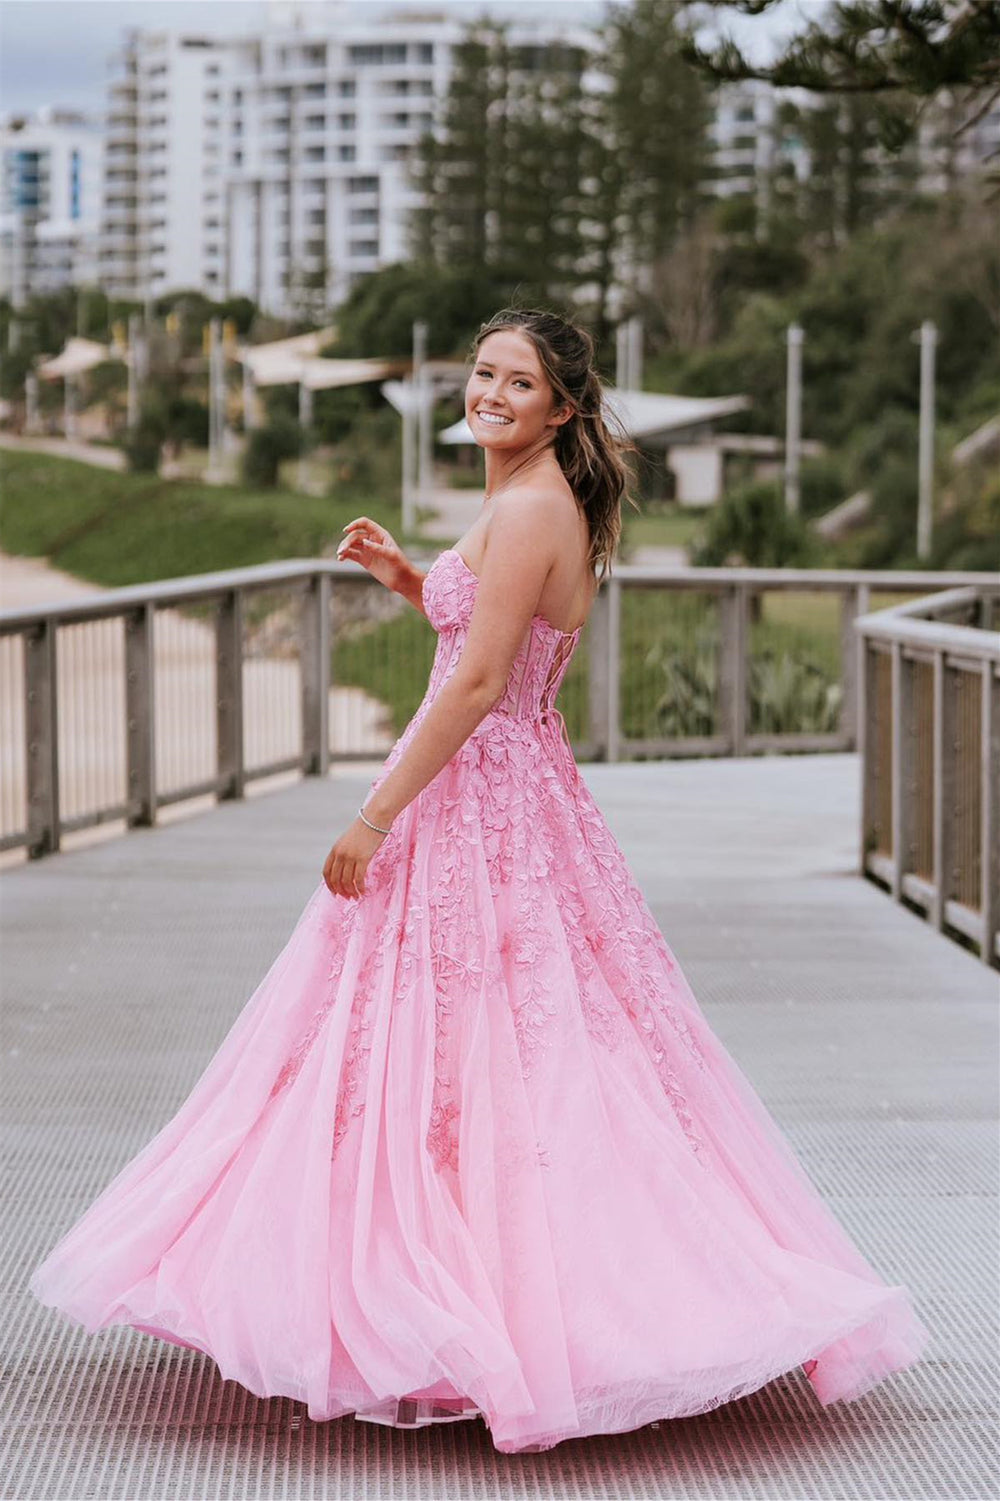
(592, 451)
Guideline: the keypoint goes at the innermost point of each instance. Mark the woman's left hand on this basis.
(344, 871)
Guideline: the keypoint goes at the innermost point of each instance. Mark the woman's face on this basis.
(508, 399)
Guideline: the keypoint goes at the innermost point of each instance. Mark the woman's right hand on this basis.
(373, 547)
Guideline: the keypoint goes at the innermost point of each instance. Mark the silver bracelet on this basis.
(371, 825)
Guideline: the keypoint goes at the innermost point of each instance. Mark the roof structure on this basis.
(645, 415)
(77, 356)
(297, 362)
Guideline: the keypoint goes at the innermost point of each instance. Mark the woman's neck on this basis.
(503, 469)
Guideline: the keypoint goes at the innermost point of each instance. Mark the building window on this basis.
(363, 216)
(347, 122)
(315, 122)
(378, 53)
(363, 247)
(315, 91)
(347, 88)
(314, 154)
(362, 184)
(317, 216)
(425, 52)
(347, 153)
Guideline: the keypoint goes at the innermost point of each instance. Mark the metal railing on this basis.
(128, 701)
(930, 744)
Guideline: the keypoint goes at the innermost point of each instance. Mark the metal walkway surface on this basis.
(870, 1037)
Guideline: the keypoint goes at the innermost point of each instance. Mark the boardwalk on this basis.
(870, 1037)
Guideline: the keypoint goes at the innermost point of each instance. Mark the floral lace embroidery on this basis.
(510, 801)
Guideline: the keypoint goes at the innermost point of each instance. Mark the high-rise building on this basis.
(324, 120)
(162, 215)
(50, 165)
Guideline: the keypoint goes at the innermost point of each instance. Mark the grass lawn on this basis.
(117, 529)
(672, 527)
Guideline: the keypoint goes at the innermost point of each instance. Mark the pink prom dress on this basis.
(471, 1149)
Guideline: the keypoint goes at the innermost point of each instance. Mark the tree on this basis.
(378, 315)
(902, 54)
(658, 111)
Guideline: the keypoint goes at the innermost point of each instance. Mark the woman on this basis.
(471, 1148)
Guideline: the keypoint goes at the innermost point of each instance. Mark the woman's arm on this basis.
(410, 584)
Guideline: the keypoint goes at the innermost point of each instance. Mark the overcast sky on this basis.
(56, 51)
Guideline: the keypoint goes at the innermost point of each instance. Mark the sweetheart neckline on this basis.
(554, 628)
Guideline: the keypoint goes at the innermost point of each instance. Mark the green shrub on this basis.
(142, 444)
(266, 448)
(751, 527)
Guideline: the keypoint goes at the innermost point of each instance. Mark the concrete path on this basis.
(98, 454)
(871, 1038)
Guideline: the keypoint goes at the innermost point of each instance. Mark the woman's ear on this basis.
(560, 416)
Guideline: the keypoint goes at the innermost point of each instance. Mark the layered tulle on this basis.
(471, 1146)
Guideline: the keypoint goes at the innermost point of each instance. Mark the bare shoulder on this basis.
(545, 508)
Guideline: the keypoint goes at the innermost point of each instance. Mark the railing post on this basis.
(853, 602)
(989, 805)
(41, 722)
(315, 669)
(944, 787)
(867, 742)
(733, 666)
(613, 639)
(598, 671)
(229, 693)
(902, 767)
(140, 717)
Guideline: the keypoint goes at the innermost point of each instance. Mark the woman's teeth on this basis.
(493, 418)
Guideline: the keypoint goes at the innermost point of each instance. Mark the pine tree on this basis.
(904, 55)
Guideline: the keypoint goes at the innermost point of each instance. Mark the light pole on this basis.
(214, 412)
(421, 389)
(793, 419)
(305, 426)
(132, 358)
(925, 485)
(31, 402)
(635, 353)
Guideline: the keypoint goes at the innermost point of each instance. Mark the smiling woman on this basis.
(471, 1149)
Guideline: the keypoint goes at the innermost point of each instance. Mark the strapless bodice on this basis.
(542, 659)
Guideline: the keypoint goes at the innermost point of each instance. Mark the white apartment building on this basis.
(50, 171)
(324, 121)
(162, 214)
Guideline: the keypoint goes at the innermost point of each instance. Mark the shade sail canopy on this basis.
(645, 415)
(77, 356)
(323, 375)
(279, 363)
(297, 362)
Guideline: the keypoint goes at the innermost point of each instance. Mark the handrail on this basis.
(929, 736)
(121, 703)
(265, 575)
